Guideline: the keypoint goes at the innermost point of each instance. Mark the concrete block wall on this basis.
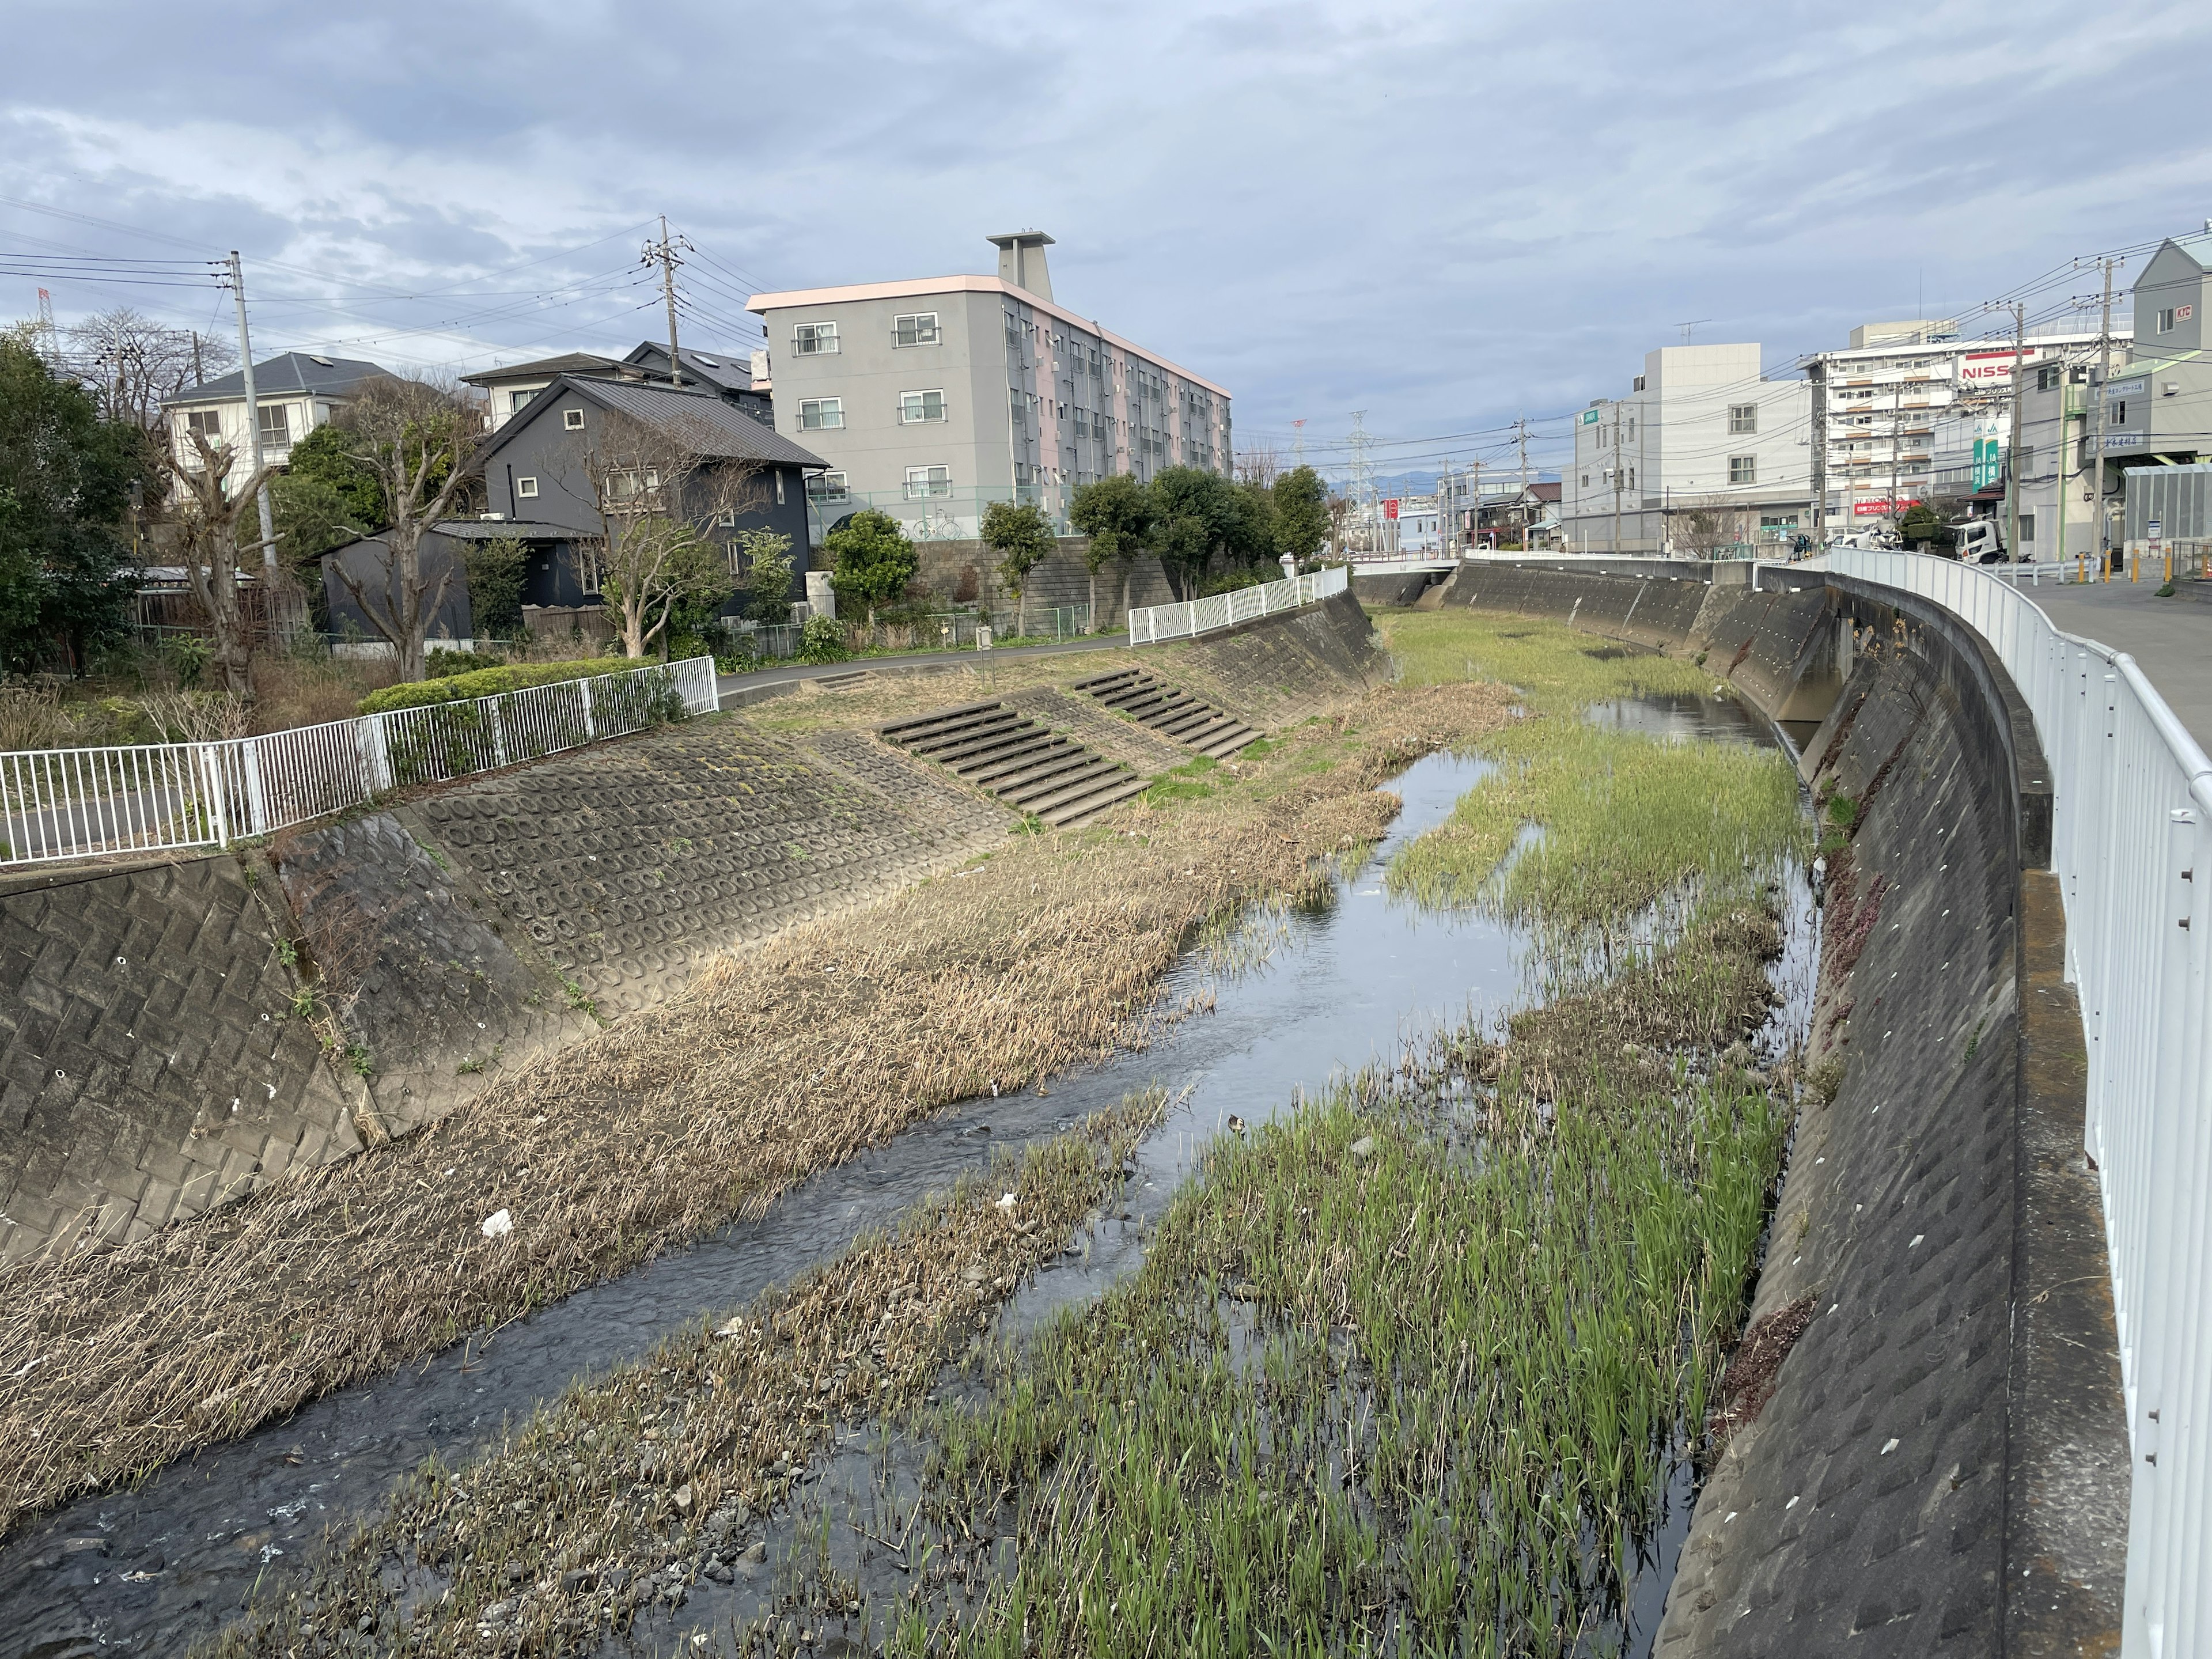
(1942, 1467)
(152, 1065)
(961, 572)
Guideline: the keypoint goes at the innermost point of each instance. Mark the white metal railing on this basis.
(1153, 623)
(2131, 844)
(59, 804)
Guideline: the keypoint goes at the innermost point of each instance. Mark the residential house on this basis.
(932, 398)
(539, 470)
(511, 388)
(295, 392)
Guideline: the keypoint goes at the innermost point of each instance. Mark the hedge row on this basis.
(490, 682)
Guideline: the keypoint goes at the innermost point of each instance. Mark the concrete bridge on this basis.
(1990, 1435)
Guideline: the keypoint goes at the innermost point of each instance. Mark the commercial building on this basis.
(1703, 454)
(932, 398)
(1910, 412)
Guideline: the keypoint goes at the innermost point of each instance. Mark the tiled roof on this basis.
(287, 374)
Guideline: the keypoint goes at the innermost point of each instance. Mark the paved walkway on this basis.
(792, 673)
(2171, 640)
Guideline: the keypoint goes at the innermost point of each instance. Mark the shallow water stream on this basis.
(152, 1570)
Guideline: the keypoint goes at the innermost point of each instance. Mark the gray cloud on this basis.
(1445, 215)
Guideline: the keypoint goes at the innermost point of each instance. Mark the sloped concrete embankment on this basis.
(176, 1034)
(1921, 1445)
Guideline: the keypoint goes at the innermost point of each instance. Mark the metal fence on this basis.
(59, 804)
(1155, 623)
(2132, 845)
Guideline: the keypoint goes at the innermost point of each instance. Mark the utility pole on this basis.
(1817, 372)
(2012, 456)
(663, 253)
(1615, 548)
(1521, 435)
(2097, 391)
(252, 411)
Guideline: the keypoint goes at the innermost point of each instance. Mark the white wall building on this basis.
(1702, 440)
(1910, 412)
(296, 391)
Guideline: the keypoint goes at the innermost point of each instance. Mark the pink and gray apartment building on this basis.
(932, 398)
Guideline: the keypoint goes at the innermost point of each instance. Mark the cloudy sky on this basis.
(1443, 216)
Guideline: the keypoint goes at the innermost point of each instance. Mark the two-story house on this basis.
(543, 470)
(511, 388)
(294, 391)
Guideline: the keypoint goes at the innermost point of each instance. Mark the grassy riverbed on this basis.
(1404, 1370)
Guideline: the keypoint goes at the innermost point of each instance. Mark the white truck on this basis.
(1979, 541)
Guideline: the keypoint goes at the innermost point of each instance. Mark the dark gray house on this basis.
(510, 389)
(540, 488)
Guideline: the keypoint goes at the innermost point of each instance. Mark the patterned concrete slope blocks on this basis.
(414, 959)
(1169, 710)
(1145, 753)
(629, 865)
(1282, 669)
(1023, 762)
(151, 1063)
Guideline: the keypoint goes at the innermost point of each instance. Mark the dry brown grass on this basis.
(670, 1124)
(658, 1465)
(289, 691)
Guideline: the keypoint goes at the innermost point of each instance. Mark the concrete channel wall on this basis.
(1942, 1465)
(159, 1054)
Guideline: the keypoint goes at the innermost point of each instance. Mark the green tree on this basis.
(1116, 513)
(1301, 513)
(1019, 534)
(495, 569)
(1922, 522)
(767, 566)
(874, 560)
(65, 481)
(1200, 516)
(324, 497)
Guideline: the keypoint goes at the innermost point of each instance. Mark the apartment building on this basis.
(1910, 412)
(1704, 451)
(932, 398)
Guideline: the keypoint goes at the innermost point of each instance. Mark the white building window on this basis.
(821, 414)
(741, 563)
(1743, 469)
(924, 481)
(525, 488)
(587, 567)
(919, 330)
(826, 487)
(207, 422)
(814, 339)
(922, 406)
(573, 419)
(517, 399)
(2165, 326)
(1743, 418)
(1018, 402)
(275, 427)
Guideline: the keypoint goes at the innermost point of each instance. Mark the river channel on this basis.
(152, 1570)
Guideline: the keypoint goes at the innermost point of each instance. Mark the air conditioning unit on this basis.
(2171, 388)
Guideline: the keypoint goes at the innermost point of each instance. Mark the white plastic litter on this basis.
(498, 1224)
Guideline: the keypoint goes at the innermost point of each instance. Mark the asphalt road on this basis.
(2171, 640)
(792, 673)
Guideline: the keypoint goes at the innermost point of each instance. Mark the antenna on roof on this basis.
(1689, 327)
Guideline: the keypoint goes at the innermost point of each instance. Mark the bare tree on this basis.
(661, 492)
(135, 361)
(207, 543)
(418, 439)
(1258, 463)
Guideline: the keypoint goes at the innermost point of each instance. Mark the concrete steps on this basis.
(1022, 764)
(1169, 710)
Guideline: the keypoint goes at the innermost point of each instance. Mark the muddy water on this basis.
(152, 1570)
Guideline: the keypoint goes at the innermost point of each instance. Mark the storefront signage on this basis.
(2127, 388)
(1991, 368)
(1875, 510)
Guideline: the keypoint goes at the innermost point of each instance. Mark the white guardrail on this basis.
(1154, 623)
(84, 803)
(2131, 844)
